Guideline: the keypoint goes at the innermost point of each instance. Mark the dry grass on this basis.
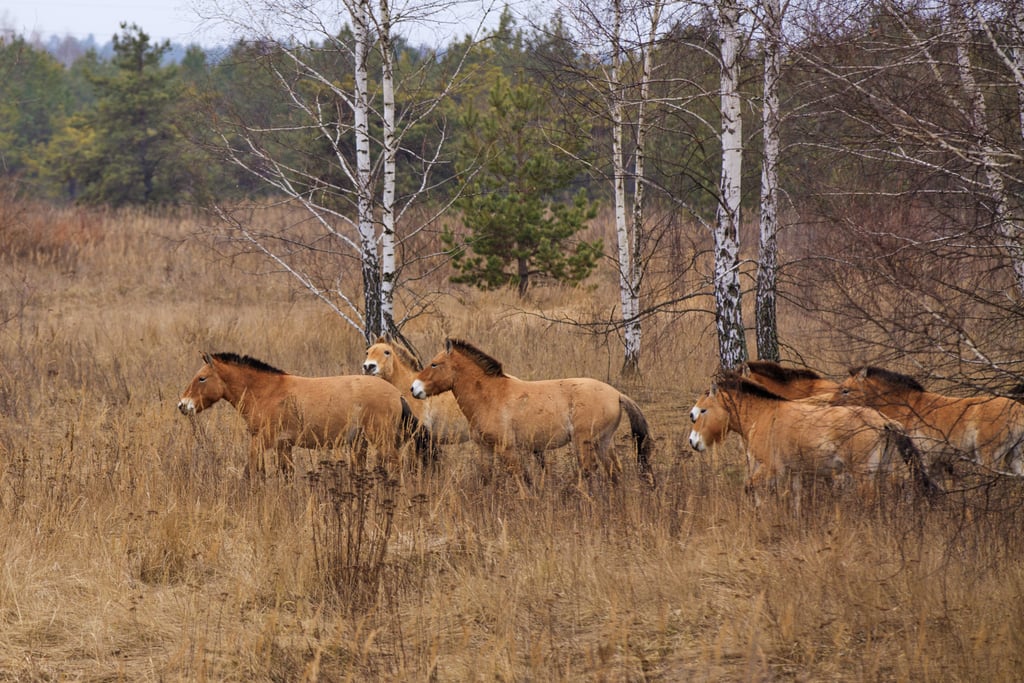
(131, 549)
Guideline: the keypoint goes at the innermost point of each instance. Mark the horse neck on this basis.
(402, 375)
(472, 388)
(246, 387)
(744, 411)
(898, 402)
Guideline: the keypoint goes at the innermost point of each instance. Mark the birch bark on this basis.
(728, 295)
(1009, 228)
(765, 309)
(389, 150)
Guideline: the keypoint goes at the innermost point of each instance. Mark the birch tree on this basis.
(353, 119)
(616, 43)
(915, 114)
(765, 309)
(728, 295)
(984, 149)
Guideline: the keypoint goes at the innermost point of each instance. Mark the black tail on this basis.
(411, 426)
(641, 436)
(912, 457)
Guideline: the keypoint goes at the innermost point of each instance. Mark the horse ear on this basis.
(713, 390)
(447, 345)
(207, 358)
(381, 339)
(861, 374)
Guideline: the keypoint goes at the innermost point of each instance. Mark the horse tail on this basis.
(422, 439)
(912, 458)
(641, 435)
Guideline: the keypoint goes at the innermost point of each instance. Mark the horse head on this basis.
(206, 388)
(438, 376)
(710, 420)
(380, 359)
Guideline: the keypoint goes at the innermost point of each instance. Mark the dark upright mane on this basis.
(893, 379)
(733, 381)
(780, 373)
(490, 366)
(247, 361)
(405, 356)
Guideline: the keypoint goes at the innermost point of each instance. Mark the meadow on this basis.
(132, 549)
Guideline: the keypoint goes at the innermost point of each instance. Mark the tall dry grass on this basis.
(131, 549)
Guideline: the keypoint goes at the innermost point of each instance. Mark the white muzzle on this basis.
(417, 389)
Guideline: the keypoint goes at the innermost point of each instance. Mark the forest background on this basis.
(895, 159)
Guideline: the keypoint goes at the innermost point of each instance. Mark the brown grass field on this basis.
(132, 549)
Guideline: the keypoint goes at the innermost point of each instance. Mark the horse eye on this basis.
(202, 379)
(387, 353)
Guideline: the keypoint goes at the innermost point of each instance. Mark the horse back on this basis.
(334, 409)
(814, 437)
(544, 413)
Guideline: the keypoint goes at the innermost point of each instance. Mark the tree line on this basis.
(816, 123)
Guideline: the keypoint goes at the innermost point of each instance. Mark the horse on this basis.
(790, 382)
(439, 414)
(283, 410)
(508, 415)
(985, 430)
(798, 437)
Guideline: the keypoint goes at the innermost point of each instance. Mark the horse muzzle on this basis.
(418, 389)
(186, 406)
(697, 442)
(370, 369)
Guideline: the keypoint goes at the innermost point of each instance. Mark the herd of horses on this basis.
(874, 429)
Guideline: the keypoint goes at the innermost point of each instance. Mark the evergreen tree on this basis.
(34, 98)
(516, 205)
(126, 148)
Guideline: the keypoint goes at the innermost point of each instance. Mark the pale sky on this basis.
(172, 20)
(161, 19)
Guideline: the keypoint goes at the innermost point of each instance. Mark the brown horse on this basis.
(508, 416)
(282, 410)
(440, 414)
(793, 437)
(790, 382)
(985, 430)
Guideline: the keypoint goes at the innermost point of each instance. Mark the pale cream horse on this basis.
(440, 414)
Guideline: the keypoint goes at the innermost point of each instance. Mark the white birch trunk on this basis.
(728, 295)
(627, 294)
(1017, 59)
(767, 332)
(364, 179)
(390, 152)
(1009, 229)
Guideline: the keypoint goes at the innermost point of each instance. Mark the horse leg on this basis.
(361, 450)
(586, 458)
(254, 468)
(763, 478)
(609, 461)
(513, 464)
(538, 456)
(284, 459)
(796, 489)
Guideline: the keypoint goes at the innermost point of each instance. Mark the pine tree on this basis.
(517, 205)
(128, 150)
